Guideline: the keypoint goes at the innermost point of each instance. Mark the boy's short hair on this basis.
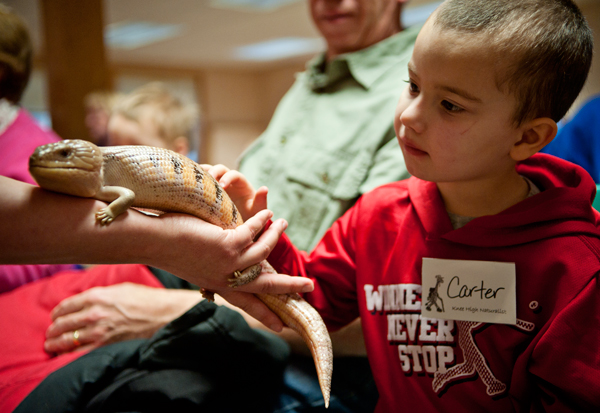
(172, 117)
(16, 53)
(547, 43)
(101, 99)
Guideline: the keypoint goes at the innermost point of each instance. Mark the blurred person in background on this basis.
(578, 139)
(20, 134)
(153, 116)
(98, 106)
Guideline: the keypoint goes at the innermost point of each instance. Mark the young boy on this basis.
(477, 278)
(151, 115)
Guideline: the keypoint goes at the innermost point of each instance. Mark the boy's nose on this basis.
(412, 116)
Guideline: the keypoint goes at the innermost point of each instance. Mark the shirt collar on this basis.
(365, 66)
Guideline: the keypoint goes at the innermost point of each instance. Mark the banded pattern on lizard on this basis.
(160, 179)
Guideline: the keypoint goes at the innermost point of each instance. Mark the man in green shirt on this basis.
(330, 140)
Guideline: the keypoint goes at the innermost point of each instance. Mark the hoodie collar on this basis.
(567, 187)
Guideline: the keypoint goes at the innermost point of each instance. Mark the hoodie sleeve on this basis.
(566, 361)
(331, 266)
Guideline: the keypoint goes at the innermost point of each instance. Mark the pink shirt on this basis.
(17, 143)
(26, 317)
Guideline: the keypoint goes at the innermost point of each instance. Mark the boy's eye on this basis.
(451, 107)
(412, 87)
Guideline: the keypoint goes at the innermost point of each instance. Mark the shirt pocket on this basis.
(339, 175)
(321, 187)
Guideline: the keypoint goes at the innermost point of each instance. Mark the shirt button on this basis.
(325, 177)
(283, 140)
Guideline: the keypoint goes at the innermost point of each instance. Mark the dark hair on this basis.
(15, 55)
(547, 44)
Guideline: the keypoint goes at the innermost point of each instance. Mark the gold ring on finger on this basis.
(76, 338)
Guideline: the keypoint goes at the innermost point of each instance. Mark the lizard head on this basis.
(71, 167)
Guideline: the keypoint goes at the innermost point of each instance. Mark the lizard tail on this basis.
(303, 318)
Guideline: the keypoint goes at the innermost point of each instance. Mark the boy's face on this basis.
(124, 131)
(452, 122)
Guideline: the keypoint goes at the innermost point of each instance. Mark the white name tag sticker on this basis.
(469, 290)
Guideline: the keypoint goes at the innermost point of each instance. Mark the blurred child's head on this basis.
(15, 55)
(98, 107)
(151, 115)
(488, 80)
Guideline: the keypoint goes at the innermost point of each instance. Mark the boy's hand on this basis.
(246, 199)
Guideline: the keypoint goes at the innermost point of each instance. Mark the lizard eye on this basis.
(65, 153)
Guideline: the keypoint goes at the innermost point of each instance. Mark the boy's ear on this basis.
(536, 134)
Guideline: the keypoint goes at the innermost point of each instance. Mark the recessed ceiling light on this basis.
(417, 15)
(131, 35)
(279, 48)
(251, 5)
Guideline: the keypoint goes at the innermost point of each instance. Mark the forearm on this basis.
(174, 303)
(50, 228)
(43, 227)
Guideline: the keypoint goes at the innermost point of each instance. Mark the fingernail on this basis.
(276, 327)
(308, 288)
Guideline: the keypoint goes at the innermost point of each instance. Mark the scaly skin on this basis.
(159, 179)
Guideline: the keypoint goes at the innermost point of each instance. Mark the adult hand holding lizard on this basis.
(51, 228)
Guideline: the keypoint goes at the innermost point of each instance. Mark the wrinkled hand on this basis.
(104, 315)
(229, 250)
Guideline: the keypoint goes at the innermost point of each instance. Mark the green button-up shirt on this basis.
(331, 138)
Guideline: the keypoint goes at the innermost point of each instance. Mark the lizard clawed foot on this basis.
(245, 276)
(104, 216)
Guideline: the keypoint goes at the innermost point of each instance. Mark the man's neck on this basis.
(386, 32)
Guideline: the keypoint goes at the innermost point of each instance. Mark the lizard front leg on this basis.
(119, 198)
(241, 278)
(245, 276)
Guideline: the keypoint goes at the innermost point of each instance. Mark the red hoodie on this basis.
(369, 265)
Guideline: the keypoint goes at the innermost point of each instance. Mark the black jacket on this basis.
(189, 365)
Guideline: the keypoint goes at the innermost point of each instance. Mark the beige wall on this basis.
(237, 107)
(232, 114)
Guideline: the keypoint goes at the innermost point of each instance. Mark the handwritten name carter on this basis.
(456, 290)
